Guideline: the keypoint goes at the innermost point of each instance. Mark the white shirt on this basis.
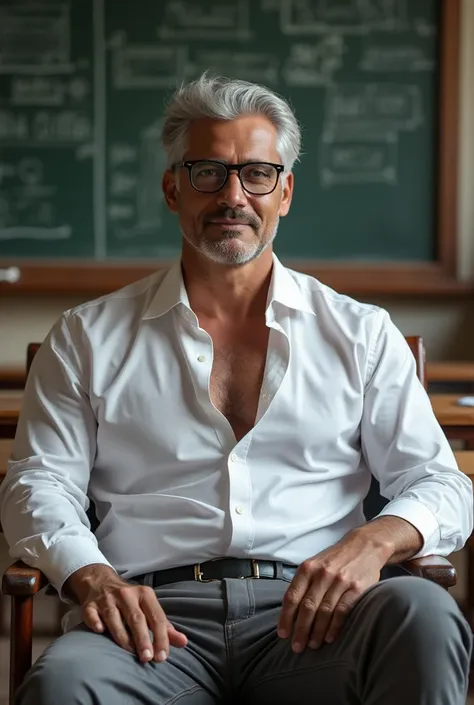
(117, 407)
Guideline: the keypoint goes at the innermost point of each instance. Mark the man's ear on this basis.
(287, 194)
(170, 190)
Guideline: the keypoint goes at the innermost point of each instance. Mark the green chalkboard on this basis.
(82, 86)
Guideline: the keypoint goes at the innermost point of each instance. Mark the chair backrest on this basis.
(416, 345)
(31, 351)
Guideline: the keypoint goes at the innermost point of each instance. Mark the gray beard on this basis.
(218, 252)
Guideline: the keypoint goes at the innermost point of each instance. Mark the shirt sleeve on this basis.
(43, 498)
(407, 451)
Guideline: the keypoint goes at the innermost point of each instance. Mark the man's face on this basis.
(230, 226)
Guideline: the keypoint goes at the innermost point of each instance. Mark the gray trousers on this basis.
(405, 641)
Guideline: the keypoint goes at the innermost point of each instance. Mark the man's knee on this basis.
(70, 670)
(56, 679)
(422, 609)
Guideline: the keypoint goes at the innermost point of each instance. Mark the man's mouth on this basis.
(227, 221)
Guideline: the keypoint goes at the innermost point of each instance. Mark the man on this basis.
(225, 416)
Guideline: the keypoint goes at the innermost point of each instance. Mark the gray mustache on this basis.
(234, 214)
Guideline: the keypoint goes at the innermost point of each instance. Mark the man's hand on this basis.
(327, 586)
(127, 611)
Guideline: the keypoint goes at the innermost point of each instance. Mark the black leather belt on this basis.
(219, 569)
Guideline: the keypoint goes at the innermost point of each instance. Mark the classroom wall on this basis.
(447, 325)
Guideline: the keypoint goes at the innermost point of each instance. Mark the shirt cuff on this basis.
(422, 519)
(63, 558)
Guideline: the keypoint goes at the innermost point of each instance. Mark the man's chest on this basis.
(237, 373)
(176, 398)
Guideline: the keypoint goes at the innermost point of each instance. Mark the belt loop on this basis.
(148, 580)
(278, 570)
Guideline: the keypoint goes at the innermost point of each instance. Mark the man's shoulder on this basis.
(323, 299)
(129, 301)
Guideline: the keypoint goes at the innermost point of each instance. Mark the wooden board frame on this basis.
(91, 278)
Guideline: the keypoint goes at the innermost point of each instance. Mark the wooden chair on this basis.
(22, 582)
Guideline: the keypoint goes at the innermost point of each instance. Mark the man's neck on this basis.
(227, 293)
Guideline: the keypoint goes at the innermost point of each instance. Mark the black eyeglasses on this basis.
(257, 178)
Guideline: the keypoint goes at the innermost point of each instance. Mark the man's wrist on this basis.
(394, 538)
(378, 538)
(79, 583)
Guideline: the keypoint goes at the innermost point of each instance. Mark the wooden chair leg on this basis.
(21, 641)
(470, 581)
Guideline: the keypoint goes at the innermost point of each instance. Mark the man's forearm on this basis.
(396, 538)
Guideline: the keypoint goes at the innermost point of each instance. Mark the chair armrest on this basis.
(435, 568)
(21, 580)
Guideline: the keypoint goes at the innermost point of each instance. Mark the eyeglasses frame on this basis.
(229, 167)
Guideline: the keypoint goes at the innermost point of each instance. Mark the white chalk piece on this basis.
(465, 401)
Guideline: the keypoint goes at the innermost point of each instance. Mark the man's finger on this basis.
(291, 601)
(324, 615)
(138, 626)
(112, 618)
(90, 614)
(176, 638)
(340, 614)
(159, 627)
(307, 611)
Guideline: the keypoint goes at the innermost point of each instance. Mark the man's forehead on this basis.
(256, 126)
(249, 135)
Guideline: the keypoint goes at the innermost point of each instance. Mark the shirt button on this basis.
(234, 458)
(202, 358)
(239, 510)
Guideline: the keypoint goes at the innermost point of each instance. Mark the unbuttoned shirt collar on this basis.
(172, 292)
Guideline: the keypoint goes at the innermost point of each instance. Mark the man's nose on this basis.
(232, 194)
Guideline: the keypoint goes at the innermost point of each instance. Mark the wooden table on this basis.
(456, 421)
(450, 371)
(5, 451)
(10, 404)
(12, 378)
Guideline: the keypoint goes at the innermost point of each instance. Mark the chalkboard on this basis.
(82, 88)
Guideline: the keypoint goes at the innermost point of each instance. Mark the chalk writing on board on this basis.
(136, 202)
(48, 90)
(423, 28)
(208, 19)
(27, 208)
(372, 106)
(344, 16)
(120, 211)
(122, 154)
(314, 64)
(411, 50)
(148, 66)
(35, 38)
(45, 127)
(346, 160)
(249, 66)
(360, 138)
(383, 58)
(152, 166)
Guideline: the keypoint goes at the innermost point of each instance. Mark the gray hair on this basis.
(222, 98)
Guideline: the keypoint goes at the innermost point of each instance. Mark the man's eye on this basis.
(207, 172)
(259, 174)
